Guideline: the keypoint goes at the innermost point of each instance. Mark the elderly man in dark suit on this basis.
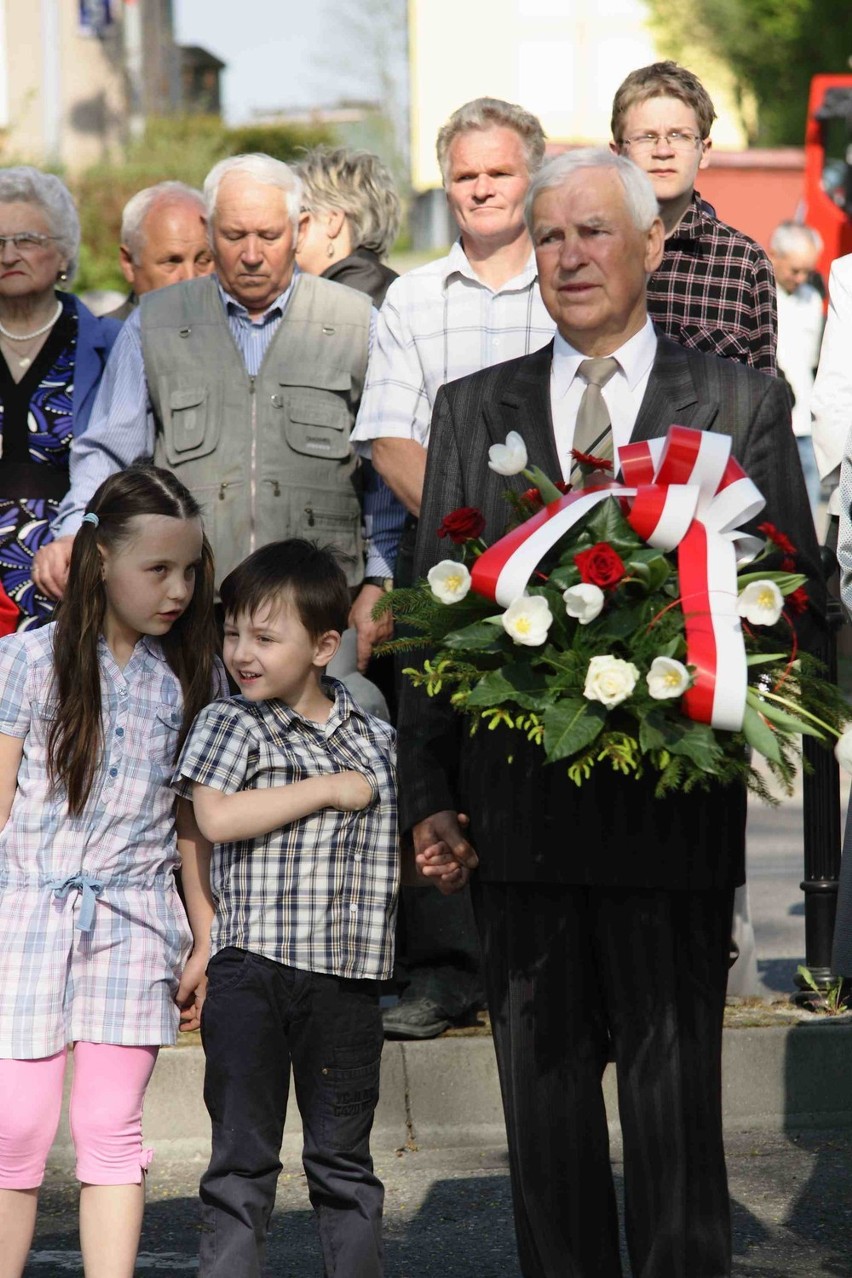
(604, 914)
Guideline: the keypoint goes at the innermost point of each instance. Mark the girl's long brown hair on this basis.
(75, 739)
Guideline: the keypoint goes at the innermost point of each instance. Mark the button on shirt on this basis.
(438, 323)
(622, 394)
(320, 893)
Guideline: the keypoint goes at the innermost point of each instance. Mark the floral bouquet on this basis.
(628, 623)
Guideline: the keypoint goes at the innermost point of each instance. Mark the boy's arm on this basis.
(11, 753)
(249, 814)
(194, 851)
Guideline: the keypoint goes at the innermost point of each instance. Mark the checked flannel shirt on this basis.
(714, 291)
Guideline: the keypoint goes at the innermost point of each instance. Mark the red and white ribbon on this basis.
(685, 492)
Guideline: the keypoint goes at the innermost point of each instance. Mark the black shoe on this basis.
(415, 1018)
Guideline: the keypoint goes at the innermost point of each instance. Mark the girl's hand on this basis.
(192, 991)
(351, 791)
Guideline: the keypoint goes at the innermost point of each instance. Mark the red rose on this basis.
(798, 600)
(600, 566)
(462, 525)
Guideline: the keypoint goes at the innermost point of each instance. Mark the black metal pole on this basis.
(821, 803)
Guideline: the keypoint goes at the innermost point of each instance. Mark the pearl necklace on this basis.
(27, 337)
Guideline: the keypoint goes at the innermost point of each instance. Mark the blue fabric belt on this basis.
(90, 889)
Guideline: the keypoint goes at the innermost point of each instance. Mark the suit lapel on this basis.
(524, 406)
(670, 397)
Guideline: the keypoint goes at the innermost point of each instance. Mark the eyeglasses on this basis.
(677, 139)
(26, 241)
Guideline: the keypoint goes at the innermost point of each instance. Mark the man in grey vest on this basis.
(245, 384)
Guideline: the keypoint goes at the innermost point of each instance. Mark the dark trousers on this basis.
(258, 1018)
(567, 970)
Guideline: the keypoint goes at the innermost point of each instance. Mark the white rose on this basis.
(527, 620)
(667, 678)
(449, 581)
(843, 751)
(583, 602)
(610, 680)
(509, 458)
(760, 603)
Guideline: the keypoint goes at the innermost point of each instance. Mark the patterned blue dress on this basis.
(36, 433)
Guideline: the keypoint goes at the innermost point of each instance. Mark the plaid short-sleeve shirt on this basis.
(319, 894)
(715, 291)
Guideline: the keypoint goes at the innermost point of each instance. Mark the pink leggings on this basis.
(106, 1114)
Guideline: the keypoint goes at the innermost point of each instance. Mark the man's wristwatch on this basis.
(384, 583)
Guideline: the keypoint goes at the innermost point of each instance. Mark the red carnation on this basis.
(600, 566)
(589, 461)
(533, 497)
(798, 600)
(781, 540)
(464, 524)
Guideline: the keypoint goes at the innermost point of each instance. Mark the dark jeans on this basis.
(259, 1018)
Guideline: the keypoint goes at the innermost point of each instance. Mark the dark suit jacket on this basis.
(528, 821)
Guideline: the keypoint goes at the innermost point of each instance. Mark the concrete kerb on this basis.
(446, 1094)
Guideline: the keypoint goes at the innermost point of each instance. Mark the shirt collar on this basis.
(635, 358)
(694, 223)
(279, 714)
(456, 263)
(273, 312)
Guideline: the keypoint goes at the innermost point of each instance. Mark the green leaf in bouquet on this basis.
(571, 725)
(565, 575)
(607, 523)
(546, 487)
(760, 736)
(680, 736)
(784, 720)
(621, 623)
(521, 684)
(766, 658)
(786, 582)
(651, 566)
(478, 637)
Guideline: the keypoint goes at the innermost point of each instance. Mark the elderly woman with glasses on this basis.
(52, 355)
(353, 219)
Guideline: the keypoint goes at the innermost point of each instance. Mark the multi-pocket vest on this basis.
(267, 456)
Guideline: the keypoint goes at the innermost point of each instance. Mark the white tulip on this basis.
(760, 603)
(449, 581)
(843, 751)
(509, 458)
(584, 602)
(610, 680)
(527, 620)
(667, 678)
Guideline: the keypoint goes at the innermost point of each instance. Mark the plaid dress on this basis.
(94, 933)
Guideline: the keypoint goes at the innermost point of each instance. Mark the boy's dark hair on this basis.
(662, 80)
(300, 571)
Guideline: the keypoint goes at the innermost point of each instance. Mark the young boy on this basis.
(294, 785)
(714, 289)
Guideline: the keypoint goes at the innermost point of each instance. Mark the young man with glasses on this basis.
(715, 288)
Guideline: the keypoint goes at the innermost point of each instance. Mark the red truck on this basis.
(828, 165)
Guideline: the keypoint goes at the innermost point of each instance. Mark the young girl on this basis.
(93, 710)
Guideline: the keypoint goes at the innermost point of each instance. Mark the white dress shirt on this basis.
(623, 393)
(831, 402)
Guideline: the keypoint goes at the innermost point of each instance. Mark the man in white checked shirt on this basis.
(478, 305)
